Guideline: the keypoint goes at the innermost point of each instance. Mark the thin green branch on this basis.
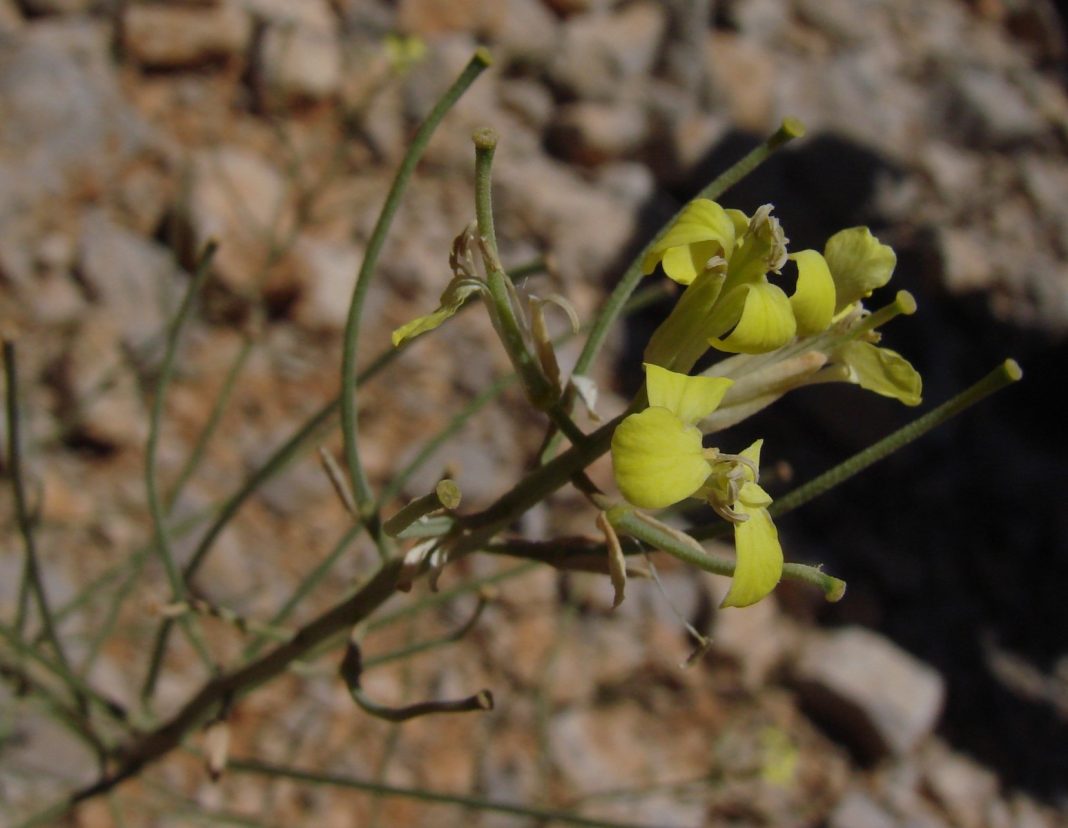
(32, 577)
(425, 646)
(229, 687)
(306, 585)
(1004, 375)
(161, 536)
(274, 464)
(78, 686)
(349, 424)
(222, 400)
(422, 795)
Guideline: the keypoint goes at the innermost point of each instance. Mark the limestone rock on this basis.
(295, 64)
(592, 133)
(136, 280)
(327, 274)
(180, 37)
(241, 201)
(880, 699)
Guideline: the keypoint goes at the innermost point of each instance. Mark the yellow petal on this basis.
(682, 264)
(701, 220)
(758, 567)
(766, 323)
(688, 398)
(883, 371)
(657, 458)
(859, 264)
(813, 300)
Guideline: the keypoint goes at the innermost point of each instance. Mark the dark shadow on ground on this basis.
(957, 542)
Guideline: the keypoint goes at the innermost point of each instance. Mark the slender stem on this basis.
(421, 794)
(479, 702)
(31, 567)
(161, 536)
(222, 399)
(540, 391)
(425, 646)
(307, 584)
(274, 464)
(446, 494)
(349, 425)
(79, 687)
(628, 522)
(1004, 375)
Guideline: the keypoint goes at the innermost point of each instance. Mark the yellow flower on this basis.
(736, 495)
(658, 460)
(724, 258)
(657, 454)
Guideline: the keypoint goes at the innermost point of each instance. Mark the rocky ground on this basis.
(935, 695)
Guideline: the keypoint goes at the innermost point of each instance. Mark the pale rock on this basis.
(955, 173)
(528, 100)
(100, 387)
(848, 22)
(136, 280)
(143, 195)
(311, 15)
(239, 200)
(964, 259)
(858, 810)
(744, 75)
(326, 271)
(629, 181)
(963, 789)
(1045, 181)
(179, 37)
(765, 21)
(295, 64)
(599, 53)
(65, 121)
(983, 108)
(10, 18)
(868, 691)
(583, 226)
(757, 639)
(526, 32)
(430, 18)
(591, 133)
(52, 298)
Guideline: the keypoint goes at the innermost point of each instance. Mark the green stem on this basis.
(31, 567)
(349, 425)
(421, 794)
(425, 646)
(629, 522)
(307, 584)
(1004, 375)
(206, 433)
(161, 536)
(445, 495)
(540, 391)
(281, 457)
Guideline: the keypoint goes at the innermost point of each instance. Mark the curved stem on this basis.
(161, 536)
(1004, 375)
(349, 425)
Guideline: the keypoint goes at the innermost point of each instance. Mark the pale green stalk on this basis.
(349, 423)
(161, 536)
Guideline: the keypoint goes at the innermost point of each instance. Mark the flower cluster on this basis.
(820, 332)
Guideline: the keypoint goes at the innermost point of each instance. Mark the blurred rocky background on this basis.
(935, 694)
